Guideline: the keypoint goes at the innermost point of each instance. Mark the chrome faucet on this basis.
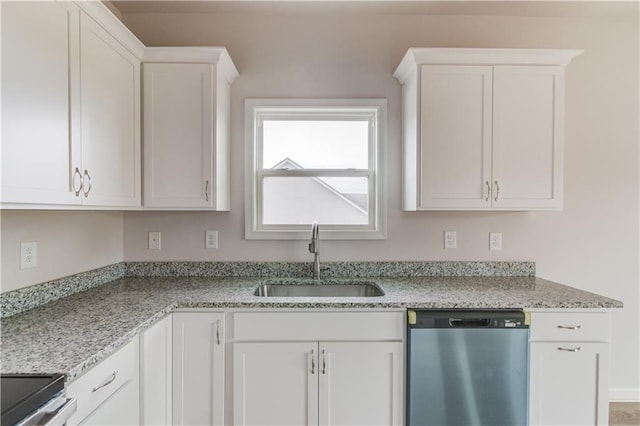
(314, 247)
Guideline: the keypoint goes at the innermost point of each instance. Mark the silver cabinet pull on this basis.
(88, 189)
(206, 190)
(560, 348)
(570, 327)
(497, 190)
(488, 191)
(218, 331)
(313, 361)
(73, 182)
(107, 383)
(324, 362)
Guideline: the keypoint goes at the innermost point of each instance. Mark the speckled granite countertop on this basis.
(72, 334)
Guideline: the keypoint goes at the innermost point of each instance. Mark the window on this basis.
(314, 160)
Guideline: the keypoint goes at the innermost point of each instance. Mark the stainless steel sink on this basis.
(324, 288)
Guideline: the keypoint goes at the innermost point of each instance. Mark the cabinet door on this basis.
(569, 383)
(198, 368)
(275, 383)
(178, 135)
(156, 356)
(361, 383)
(39, 78)
(528, 116)
(110, 118)
(455, 150)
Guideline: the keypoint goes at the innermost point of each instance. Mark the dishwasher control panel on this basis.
(460, 318)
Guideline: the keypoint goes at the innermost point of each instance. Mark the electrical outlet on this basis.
(154, 240)
(450, 239)
(211, 239)
(495, 241)
(28, 255)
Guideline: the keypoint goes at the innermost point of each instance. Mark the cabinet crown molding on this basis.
(105, 17)
(472, 56)
(194, 55)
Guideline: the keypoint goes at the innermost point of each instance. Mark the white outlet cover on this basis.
(450, 239)
(211, 239)
(28, 255)
(154, 240)
(495, 241)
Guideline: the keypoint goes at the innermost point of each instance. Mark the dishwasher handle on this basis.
(469, 322)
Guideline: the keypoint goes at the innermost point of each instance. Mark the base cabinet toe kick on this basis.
(323, 366)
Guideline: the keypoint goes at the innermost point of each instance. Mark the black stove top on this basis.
(22, 394)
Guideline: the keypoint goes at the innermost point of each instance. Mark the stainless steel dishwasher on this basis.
(467, 368)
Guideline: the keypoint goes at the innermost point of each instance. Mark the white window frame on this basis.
(256, 110)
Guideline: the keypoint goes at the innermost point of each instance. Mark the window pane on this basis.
(315, 144)
(303, 200)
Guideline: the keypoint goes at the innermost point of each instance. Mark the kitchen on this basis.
(350, 50)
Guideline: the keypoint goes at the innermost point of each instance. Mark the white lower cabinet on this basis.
(108, 394)
(198, 368)
(569, 369)
(156, 354)
(361, 383)
(275, 383)
(281, 381)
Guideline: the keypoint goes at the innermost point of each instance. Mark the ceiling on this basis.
(554, 8)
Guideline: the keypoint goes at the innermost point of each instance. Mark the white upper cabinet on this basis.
(110, 118)
(70, 107)
(39, 54)
(186, 96)
(483, 128)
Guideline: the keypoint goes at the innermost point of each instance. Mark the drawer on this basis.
(310, 326)
(568, 326)
(103, 380)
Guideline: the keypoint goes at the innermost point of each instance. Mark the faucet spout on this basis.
(314, 247)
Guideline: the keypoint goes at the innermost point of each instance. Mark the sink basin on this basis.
(323, 288)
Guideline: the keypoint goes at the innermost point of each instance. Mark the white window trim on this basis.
(376, 230)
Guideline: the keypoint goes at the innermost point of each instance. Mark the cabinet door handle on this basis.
(218, 332)
(576, 349)
(488, 191)
(313, 362)
(107, 383)
(206, 190)
(87, 175)
(324, 362)
(497, 190)
(570, 327)
(73, 182)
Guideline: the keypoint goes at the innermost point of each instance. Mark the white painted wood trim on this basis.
(375, 230)
(446, 56)
(103, 16)
(624, 395)
(209, 55)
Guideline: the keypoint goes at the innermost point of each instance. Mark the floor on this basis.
(624, 413)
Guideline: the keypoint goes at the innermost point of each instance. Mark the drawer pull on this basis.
(107, 383)
(313, 362)
(324, 362)
(570, 349)
(570, 327)
(218, 331)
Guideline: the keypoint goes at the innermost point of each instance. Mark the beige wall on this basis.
(68, 243)
(350, 51)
